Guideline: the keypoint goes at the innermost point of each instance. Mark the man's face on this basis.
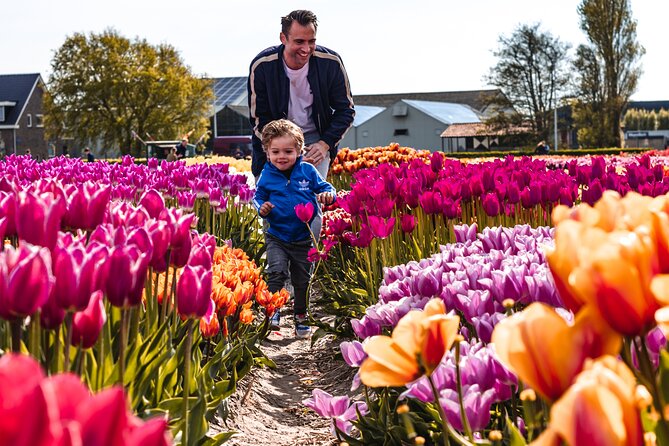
(300, 44)
(282, 152)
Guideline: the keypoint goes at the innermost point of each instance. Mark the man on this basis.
(89, 156)
(304, 83)
(182, 147)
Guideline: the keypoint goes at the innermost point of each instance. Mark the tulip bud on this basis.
(87, 324)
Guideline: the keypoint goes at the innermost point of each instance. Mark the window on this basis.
(2, 114)
(30, 120)
(39, 120)
(399, 132)
(400, 109)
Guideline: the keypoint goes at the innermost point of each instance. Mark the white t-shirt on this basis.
(301, 98)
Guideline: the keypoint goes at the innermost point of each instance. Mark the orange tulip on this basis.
(211, 329)
(611, 270)
(418, 343)
(599, 409)
(546, 352)
(246, 316)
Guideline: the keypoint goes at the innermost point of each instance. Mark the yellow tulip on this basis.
(416, 347)
(546, 352)
(599, 409)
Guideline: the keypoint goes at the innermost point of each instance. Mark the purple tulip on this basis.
(339, 409)
(353, 353)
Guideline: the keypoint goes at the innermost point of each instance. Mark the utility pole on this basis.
(555, 129)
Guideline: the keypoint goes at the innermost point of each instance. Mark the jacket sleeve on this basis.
(341, 102)
(320, 185)
(261, 195)
(258, 101)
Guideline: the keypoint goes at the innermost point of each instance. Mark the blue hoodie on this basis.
(304, 184)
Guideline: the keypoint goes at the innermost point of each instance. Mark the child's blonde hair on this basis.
(279, 128)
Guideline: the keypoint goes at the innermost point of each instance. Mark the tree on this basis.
(531, 73)
(105, 86)
(608, 70)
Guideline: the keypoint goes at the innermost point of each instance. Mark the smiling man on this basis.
(304, 83)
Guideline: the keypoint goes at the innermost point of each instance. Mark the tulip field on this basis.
(513, 301)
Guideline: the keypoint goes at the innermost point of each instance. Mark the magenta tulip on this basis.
(25, 280)
(407, 223)
(194, 292)
(381, 228)
(160, 239)
(304, 211)
(8, 210)
(127, 268)
(152, 201)
(38, 218)
(87, 324)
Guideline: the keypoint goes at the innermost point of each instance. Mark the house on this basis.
(413, 123)
(22, 115)
(363, 113)
(461, 137)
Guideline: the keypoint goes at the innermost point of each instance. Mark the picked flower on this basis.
(304, 211)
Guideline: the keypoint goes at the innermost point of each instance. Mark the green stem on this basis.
(447, 430)
(186, 382)
(125, 313)
(463, 415)
(68, 340)
(16, 334)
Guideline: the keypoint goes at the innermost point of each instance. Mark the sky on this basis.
(388, 46)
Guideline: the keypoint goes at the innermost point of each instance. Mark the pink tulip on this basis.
(8, 210)
(25, 280)
(304, 211)
(86, 205)
(127, 267)
(160, 239)
(152, 201)
(87, 324)
(194, 292)
(38, 218)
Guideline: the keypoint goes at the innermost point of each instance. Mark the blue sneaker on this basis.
(302, 330)
(275, 321)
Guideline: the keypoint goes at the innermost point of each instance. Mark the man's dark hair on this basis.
(301, 16)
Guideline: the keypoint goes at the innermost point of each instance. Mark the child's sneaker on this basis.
(302, 330)
(275, 321)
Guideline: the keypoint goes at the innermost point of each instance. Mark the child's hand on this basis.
(265, 209)
(326, 198)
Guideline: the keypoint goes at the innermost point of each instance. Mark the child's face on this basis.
(282, 152)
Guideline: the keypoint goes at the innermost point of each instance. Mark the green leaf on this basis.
(217, 439)
(664, 374)
(515, 437)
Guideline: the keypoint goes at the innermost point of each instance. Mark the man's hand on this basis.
(316, 152)
(326, 198)
(265, 209)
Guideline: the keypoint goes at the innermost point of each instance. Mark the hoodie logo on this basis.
(303, 184)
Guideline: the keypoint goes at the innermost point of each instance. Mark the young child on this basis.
(286, 181)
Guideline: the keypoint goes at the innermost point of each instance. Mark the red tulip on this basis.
(304, 211)
(194, 292)
(25, 280)
(87, 324)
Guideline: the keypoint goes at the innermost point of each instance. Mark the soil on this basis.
(267, 408)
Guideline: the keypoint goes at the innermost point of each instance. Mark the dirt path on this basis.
(267, 407)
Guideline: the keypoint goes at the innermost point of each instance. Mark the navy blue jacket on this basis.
(269, 91)
(273, 186)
